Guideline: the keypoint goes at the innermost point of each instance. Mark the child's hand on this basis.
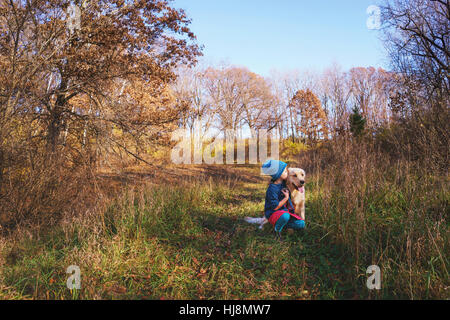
(285, 192)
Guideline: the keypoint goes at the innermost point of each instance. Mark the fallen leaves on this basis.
(116, 289)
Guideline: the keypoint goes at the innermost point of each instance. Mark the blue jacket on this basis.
(273, 198)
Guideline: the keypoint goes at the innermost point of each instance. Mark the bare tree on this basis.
(239, 97)
(416, 35)
(190, 88)
(417, 39)
(370, 92)
(335, 95)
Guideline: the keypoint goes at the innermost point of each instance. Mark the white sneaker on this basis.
(260, 221)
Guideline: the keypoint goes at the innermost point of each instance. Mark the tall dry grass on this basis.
(386, 210)
(39, 188)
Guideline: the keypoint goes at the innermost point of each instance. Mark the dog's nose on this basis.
(302, 181)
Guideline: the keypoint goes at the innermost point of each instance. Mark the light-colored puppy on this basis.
(295, 183)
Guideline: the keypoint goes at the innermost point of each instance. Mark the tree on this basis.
(357, 123)
(71, 95)
(313, 121)
(284, 86)
(416, 36)
(62, 78)
(370, 91)
(190, 89)
(336, 92)
(239, 97)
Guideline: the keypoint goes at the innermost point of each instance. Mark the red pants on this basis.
(277, 214)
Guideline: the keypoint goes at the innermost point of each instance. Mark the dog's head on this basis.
(296, 178)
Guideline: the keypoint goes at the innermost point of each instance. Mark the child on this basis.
(277, 199)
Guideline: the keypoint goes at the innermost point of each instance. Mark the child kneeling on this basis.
(278, 208)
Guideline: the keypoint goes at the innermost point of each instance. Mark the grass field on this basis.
(187, 240)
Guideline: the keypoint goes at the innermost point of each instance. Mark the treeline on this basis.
(301, 105)
(404, 110)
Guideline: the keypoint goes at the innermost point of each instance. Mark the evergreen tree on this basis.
(357, 123)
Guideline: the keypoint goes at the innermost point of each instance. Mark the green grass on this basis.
(190, 242)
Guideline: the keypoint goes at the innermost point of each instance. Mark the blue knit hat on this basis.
(274, 168)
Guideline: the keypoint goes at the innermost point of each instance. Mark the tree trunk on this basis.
(292, 124)
(54, 127)
(54, 130)
(2, 161)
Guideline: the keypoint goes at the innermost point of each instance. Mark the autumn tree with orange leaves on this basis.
(313, 120)
(71, 92)
(63, 80)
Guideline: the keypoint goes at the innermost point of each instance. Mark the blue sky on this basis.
(285, 34)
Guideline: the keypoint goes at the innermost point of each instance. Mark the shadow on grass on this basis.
(330, 271)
